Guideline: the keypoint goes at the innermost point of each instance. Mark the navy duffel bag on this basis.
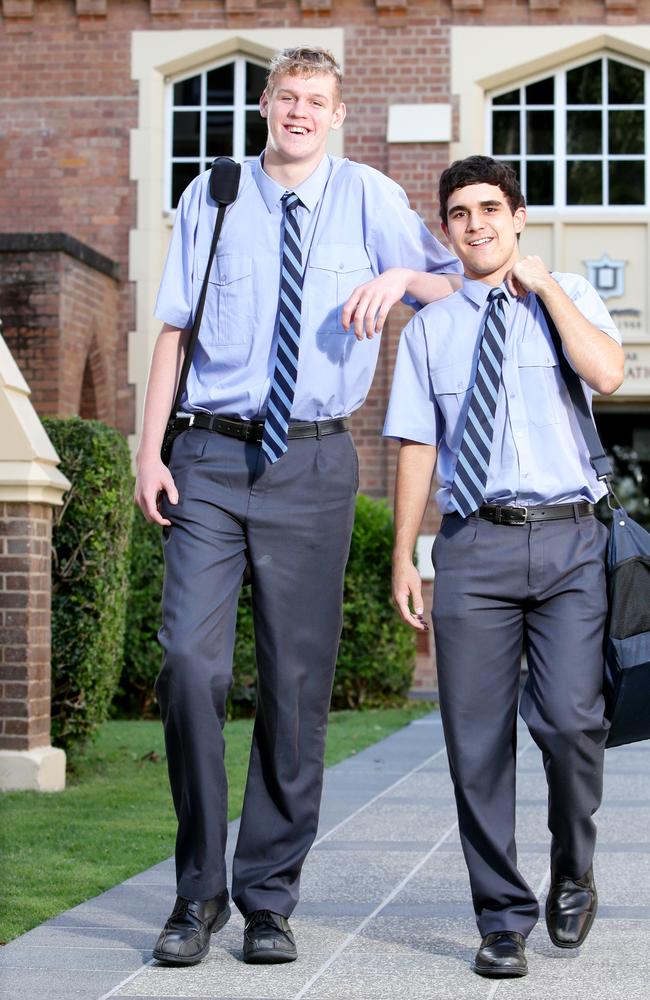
(627, 654)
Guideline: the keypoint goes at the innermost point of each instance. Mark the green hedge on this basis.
(377, 652)
(90, 544)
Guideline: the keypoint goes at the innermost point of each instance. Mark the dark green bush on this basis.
(141, 649)
(89, 575)
(631, 485)
(377, 653)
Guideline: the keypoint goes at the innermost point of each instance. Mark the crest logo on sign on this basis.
(607, 276)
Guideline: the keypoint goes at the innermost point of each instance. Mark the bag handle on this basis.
(224, 185)
(599, 460)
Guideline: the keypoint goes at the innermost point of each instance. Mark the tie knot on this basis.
(290, 200)
(496, 294)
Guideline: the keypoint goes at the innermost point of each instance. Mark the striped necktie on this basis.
(470, 477)
(283, 383)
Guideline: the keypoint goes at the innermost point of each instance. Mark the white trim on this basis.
(561, 110)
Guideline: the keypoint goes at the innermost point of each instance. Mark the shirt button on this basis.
(341, 266)
(520, 434)
(513, 395)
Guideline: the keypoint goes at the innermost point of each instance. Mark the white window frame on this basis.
(239, 108)
(560, 156)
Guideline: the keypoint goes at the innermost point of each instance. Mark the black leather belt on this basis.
(543, 512)
(251, 430)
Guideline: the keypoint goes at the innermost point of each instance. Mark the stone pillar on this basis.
(30, 485)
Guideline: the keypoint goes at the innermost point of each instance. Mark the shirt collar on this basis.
(477, 291)
(310, 191)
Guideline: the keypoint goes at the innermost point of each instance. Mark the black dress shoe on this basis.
(268, 939)
(571, 906)
(185, 938)
(501, 955)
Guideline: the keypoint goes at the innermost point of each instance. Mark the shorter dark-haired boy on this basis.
(519, 557)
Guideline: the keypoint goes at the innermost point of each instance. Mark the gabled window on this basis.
(213, 113)
(578, 137)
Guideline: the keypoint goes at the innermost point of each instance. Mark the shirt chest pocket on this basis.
(452, 387)
(334, 270)
(539, 377)
(229, 315)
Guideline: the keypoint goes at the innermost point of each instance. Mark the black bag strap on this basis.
(599, 460)
(224, 185)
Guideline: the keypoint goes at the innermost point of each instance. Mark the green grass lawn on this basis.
(115, 818)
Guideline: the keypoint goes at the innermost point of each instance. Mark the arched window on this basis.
(578, 137)
(213, 113)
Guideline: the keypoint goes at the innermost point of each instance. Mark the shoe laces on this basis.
(261, 917)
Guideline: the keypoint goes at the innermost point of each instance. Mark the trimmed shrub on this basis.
(377, 652)
(141, 650)
(89, 575)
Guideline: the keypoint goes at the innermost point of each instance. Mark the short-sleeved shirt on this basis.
(355, 223)
(538, 452)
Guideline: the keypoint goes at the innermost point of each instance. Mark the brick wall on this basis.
(60, 319)
(25, 554)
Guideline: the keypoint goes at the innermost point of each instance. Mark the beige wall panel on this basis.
(538, 239)
(637, 372)
(628, 243)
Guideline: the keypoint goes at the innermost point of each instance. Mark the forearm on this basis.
(415, 465)
(425, 287)
(595, 356)
(166, 363)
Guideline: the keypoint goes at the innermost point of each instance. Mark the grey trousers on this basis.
(496, 586)
(293, 520)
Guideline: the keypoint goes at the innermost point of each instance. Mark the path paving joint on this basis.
(384, 911)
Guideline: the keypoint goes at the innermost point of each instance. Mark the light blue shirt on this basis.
(538, 453)
(355, 224)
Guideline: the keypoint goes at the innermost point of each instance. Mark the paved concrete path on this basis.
(384, 912)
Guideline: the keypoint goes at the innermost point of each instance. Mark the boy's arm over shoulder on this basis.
(411, 264)
(593, 350)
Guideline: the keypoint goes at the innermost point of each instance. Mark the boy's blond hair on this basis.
(305, 61)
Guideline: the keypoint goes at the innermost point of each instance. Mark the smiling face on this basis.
(300, 112)
(482, 230)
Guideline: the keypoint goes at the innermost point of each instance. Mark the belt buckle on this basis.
(186, 416)
(517, 523)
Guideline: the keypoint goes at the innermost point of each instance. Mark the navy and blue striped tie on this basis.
(283, 383)
(470, 477)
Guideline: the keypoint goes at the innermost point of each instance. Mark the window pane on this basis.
(188, 92)
(505, 132)
(255, 133)
(218, 138)
(626, 131)
(542, 92)
(182, 174)
(584, 184)
(626, 183)
(539, 183)
(221, 85)
(624, 83)
(584, 84)
(255, 82)
(539, 131)
(584, 132)
(512, 97)
(186, 133)
(516, 166)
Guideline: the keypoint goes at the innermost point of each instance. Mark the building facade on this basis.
(109, 107)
